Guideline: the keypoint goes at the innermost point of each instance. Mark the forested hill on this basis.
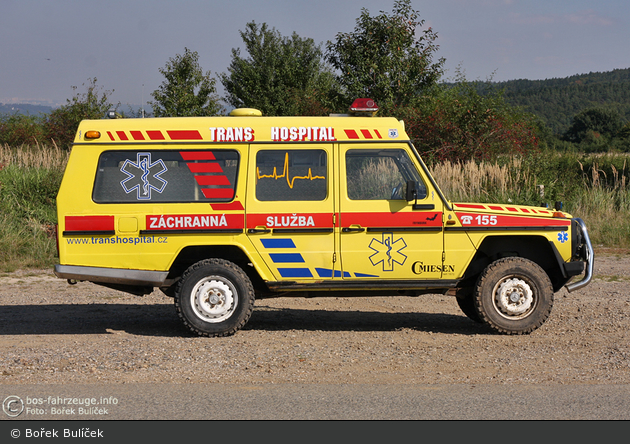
(556, 101)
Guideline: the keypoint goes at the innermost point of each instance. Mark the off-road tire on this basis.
(467, 306)
(513, 295)
(214, 298)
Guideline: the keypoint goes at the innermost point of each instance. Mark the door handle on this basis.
(353, 229)
(259, 230)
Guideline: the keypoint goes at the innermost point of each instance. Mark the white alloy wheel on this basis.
(214, 297)
(513, 298)
(513, 295)
(213, 300)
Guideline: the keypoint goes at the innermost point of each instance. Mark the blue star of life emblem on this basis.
(143, 176)
(388, 251)
(563, 236)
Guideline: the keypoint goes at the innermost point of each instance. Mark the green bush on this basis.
(19, 129)
(61, 125)
(457, 123)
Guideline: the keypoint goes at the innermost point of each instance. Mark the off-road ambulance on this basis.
(219, 211)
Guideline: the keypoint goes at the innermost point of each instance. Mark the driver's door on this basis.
(382, 236)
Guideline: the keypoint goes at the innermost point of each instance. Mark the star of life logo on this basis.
(143, 176)
(388, 251)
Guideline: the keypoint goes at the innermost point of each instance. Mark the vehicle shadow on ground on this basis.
(272, 319)
(162, 320)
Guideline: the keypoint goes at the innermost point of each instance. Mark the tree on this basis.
(458, 123)
(593, 123)
(62, 123)
(385, 59)
(281, 76)
(187, 91)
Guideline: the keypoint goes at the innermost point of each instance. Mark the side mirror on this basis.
(411, 192)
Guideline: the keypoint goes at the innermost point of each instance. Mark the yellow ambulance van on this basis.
(219, 211)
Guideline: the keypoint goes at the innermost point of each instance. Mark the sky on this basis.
(49, 46)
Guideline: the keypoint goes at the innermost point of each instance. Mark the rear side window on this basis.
(291, 175)
(166, 176)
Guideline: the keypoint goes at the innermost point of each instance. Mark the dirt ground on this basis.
(55, 333)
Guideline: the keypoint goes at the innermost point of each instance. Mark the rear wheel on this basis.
(513, 295)
(214, 298)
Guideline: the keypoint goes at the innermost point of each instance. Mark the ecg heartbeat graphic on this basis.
(285, 174)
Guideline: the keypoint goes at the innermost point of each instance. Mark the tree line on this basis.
(591, 111)
(389, 57)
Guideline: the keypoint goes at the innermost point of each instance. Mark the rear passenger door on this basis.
(290, 209)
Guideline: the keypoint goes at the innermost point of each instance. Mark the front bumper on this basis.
(587, 255)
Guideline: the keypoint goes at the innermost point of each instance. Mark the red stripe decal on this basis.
(367, 134)
(111, 136)
(122, 135)
(496, 208)
(212, 180)
(352, 134)
(194, 221)
(89, 223)
(137, 135)
(197, 155)
(378, 134)
(476, 207)
(499, 220)
(288, 220)
(419, 219)
(155, 135)
(184, 135)
(218, 193)
(236, 206)
(207, 167)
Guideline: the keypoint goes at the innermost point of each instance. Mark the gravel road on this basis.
(55, 333)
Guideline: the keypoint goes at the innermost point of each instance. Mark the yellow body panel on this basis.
(284, 191)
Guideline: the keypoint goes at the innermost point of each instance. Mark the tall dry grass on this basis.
(604, 205)
(471, 181)
(34, 156)
(602, 200)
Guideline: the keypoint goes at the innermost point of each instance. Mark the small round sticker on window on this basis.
(393, 133)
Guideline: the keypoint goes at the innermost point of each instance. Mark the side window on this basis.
(166, 176)
(291, 175)
(380, 174)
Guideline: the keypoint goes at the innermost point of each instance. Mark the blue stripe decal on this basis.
(286, 258)
(295, 272)
(278, 243)
(328, 273)
(363, 275)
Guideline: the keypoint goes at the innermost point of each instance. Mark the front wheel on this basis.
(513, 295)
(214, 298)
